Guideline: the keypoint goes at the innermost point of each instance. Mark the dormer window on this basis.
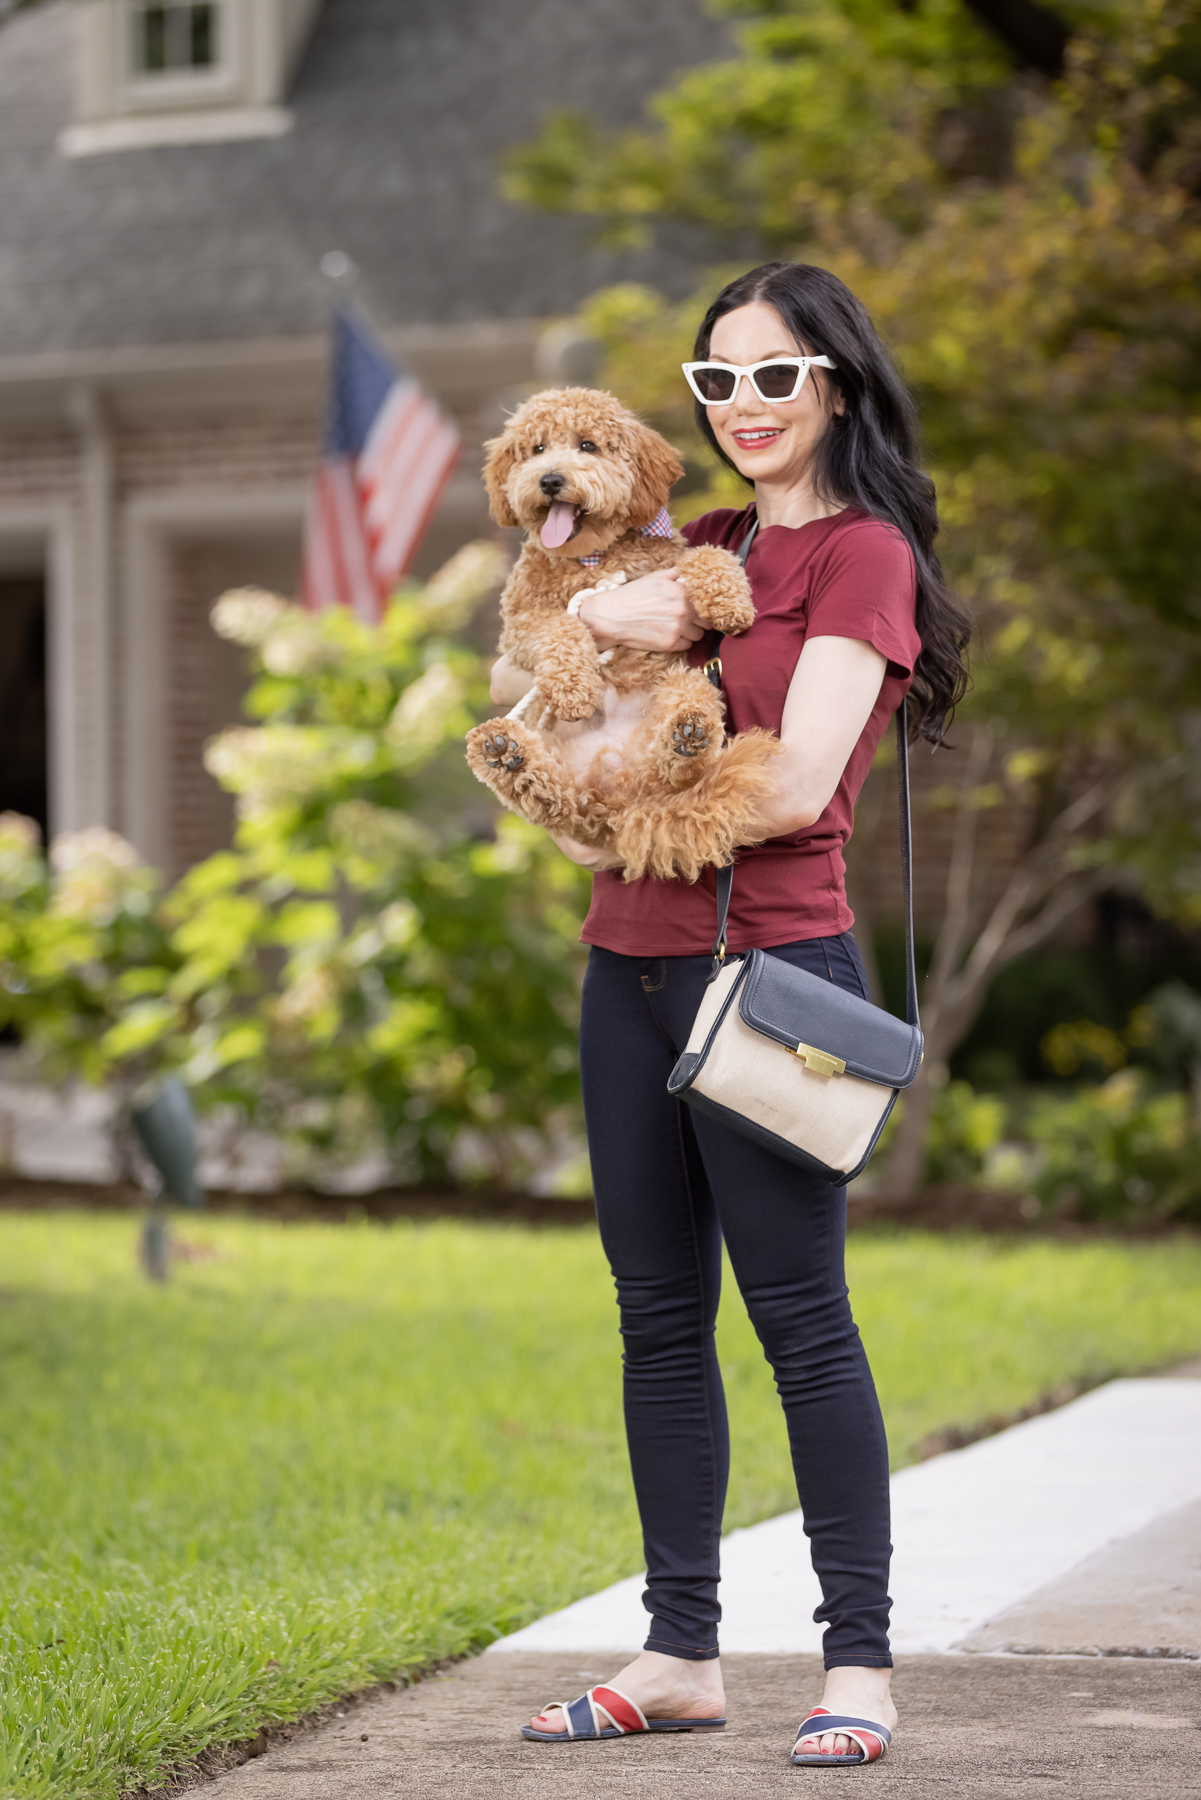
(156, 72)
(171, 36)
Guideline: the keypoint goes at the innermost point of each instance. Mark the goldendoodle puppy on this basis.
(624, 749)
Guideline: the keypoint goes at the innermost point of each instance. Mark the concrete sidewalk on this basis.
(978, 1532)
(973, 1726)
(1057, 1567)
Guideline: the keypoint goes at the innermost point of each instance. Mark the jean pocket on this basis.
(654, 975)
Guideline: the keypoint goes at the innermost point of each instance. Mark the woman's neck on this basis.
(793, 504)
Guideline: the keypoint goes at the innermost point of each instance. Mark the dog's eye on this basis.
(587, 444)
(538, 449)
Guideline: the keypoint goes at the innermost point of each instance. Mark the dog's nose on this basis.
(552, 485)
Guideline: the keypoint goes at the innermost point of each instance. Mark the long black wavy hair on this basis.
(867, 457)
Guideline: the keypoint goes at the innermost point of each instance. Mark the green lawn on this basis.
(333, 1453)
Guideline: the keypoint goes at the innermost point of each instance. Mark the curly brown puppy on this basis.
(625, 749)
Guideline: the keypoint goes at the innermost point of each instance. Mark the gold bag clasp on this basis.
(819, 1062)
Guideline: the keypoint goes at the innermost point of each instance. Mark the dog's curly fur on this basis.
(626, 751)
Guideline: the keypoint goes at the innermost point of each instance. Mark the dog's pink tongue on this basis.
(559, 524)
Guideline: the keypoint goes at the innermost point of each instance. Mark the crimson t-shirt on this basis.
(848, 576)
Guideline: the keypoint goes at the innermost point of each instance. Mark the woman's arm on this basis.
(835, 685)
(830, 698)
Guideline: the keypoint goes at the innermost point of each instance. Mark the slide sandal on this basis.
(873, 1740)
(624, 1718)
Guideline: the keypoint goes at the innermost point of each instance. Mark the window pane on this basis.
(174, 34)
(204, 36)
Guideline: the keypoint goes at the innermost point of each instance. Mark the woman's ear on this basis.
(498, 466)
(657, 468)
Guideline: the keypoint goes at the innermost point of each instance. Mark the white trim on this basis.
(218, 125)
(94, 583)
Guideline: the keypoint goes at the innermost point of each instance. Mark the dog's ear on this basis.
(498, 466)
(657, 468)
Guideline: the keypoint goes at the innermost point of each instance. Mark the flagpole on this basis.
(345, 279)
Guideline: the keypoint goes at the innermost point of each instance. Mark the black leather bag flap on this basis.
(797, 1008)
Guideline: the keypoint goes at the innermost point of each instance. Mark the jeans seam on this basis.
(696, 1257)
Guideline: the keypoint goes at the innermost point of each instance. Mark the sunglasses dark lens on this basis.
(715, 384)
(777, 381)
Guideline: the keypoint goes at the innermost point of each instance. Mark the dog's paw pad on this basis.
(689, 738)
(501, 752)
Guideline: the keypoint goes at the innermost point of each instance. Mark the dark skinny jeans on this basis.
(670, 1184)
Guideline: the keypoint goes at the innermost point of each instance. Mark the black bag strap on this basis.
(725, 876)
(911, 1012)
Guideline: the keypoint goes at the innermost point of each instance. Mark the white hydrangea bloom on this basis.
(95, 845)
(245, 615)
(459, 586)
(419, 719)
(295, 645)
(271, 764)
(96, 872)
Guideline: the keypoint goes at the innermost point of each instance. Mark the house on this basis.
(172, 173)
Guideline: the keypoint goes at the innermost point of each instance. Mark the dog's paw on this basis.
(503, 752)
(689, 736)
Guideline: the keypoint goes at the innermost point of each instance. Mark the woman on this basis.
(851, 616)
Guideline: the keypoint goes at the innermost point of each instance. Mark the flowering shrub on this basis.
(83, 950)
(345, 974)
(1118, 1150)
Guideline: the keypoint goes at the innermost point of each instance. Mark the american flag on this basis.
(387, 455)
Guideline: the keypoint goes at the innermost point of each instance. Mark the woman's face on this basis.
(769, 440)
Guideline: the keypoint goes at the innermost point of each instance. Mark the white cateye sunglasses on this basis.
(716, 383)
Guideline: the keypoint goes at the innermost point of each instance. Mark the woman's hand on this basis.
(509, 683)
(587, 856)
(830, 699)
(651, 613)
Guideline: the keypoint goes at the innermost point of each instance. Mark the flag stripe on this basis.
(422, 425)
(358, 585)
(421, 521)
(397, 547)
(388, 431)
(319, 586)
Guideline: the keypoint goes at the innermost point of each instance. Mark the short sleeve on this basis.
(717, 527)
(866, 588)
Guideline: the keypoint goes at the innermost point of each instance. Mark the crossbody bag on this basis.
(793, 1062)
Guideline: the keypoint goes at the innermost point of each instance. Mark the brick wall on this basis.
(37, 469)
(207, 678)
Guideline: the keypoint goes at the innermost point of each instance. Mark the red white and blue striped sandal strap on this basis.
(872, 1738)
(617, 1707)
(582, 1716)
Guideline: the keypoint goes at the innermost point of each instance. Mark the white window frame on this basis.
(119, 107)
(151, 90)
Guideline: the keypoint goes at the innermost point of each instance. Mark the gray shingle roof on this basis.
(402, 108)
